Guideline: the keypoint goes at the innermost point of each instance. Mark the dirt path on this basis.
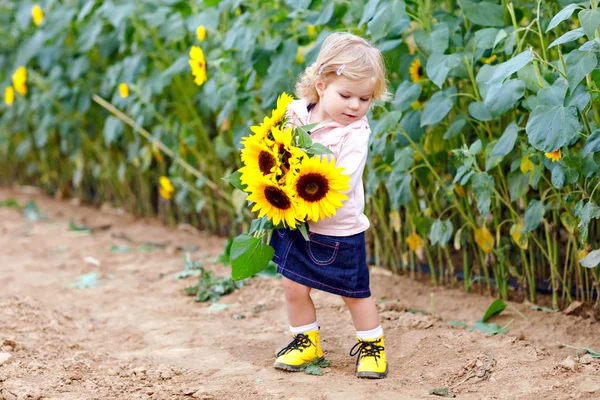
(137, 336)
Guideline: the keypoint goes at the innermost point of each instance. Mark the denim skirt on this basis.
(334, 264)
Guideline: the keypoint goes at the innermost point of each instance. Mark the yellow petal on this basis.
(526, 165)
(124, 90)
(9, 95)
(37, 14)
(415, 242)
(201, 33)
(517, 237)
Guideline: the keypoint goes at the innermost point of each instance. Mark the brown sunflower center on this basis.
(266, 161)
(312, 187)
(277, 198)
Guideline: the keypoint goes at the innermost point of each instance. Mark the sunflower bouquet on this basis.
(288, 181)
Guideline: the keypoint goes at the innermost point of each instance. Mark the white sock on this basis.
(372, 334)
(303, 329)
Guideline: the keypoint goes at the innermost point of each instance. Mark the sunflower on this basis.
(166, 188)
(201, 33)
(198, 65)
(490, 60)
(283, 101)
(124, 90)
(19, 79)
(258, 158)
(415, 70)
(554, 155)
(318, 188)
(9, 95)
(37, 15)
(264, 129)
(288, 154)
(274, 201)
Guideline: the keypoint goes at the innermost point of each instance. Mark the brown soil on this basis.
(137, 336)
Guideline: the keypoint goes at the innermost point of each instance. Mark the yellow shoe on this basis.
(371, 362)
(305, 347)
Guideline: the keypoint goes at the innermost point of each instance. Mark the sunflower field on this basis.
(483, 170)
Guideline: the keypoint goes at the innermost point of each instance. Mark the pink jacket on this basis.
(349, 144)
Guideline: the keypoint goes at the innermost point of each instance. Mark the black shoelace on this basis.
(366, 349)
(300, 342)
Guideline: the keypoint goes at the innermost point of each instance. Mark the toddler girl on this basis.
(335, 92)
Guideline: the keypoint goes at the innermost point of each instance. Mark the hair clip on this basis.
(321, 69)
(340, 69)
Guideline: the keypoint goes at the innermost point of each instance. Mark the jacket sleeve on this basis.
(353, 155)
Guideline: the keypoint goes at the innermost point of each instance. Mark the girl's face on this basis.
(344, 100)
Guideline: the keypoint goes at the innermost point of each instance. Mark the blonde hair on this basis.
(344, 54)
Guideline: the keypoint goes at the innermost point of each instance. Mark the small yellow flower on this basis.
(19, 80)
(198, 65)
(166, 188)
(415, 70)
(9, 95)
(201, 33)
(490, 60)
(37, 14)
(311, 31)
(238, 11)
(124, 90)
(157, 154)
(416, 105)
(554, 155)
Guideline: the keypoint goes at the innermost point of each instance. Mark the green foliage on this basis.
(209, 286)
(461, 145)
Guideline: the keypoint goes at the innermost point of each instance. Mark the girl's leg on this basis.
(299, 306)
(364, 312)
(372, 361)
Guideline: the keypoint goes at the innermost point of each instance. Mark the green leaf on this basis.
(403, 159)
(568, 37)
(113, 129)
(518, 185)
(507, 141)
(441, 232)
(303, 228)
(406, 94)
(259, 224)
(485, 38)
(79, 228)
(439, 65)
(562, 15)
(234, 179)
(494, 309)
(390, 18)
(439, 39)
(398, 188)
(87, 281)
(579, 64)
(483, 13)
(482, 185)
(551, 127)
(558, 177)
(489, 327)
(591, 260)
(318, 149)
(456, 127)
(438, 106)
(249, 255)
(580, 98)
(386, 123)
(502, 97)
(592, 143)
(586, 213)
(533, 215)
(368, 11)
(479, 111)
(507, 68)
(590, 20)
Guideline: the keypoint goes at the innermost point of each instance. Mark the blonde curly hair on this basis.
(348, 55)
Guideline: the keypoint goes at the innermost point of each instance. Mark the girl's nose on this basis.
(354, 104)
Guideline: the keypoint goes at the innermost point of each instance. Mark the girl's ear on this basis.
(320, 86)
